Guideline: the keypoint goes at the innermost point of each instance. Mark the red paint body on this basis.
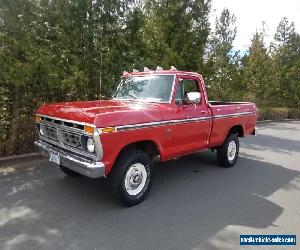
(172, 140)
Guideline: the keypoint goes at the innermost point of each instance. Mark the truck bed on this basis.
(228, 114)
(224, 109)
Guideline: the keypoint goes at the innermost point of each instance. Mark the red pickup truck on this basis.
(161, 113)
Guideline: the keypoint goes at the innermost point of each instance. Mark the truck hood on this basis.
(104, 113)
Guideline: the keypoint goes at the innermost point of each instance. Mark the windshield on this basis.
(147, 88)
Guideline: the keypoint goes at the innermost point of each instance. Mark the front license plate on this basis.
(54, 158)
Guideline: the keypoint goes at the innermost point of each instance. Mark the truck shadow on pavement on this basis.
(192, 199)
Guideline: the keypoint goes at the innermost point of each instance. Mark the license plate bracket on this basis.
(55, 158)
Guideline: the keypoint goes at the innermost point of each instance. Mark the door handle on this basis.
(203, 112)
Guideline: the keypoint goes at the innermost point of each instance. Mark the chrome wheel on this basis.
(231, 152)
(135, 179)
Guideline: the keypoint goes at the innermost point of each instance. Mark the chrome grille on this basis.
(70, 139)
(69, 136)
(49, 132)
(63, 123)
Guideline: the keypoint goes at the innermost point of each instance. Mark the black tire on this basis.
(222, 154)
(69, 172)
(118, 180)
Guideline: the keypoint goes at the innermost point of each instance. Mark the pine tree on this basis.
(258, 75)
(222, 70)
(286, 56)
(176, 32)
(15, 60)
(53, 51)
(285, 32)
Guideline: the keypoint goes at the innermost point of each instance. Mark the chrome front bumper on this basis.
(76, 163)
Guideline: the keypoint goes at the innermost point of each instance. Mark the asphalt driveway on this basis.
(194, 203)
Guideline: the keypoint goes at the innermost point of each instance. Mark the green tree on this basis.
(222, 68)
(133, 47)
(52, 51)
(15, 60)
(98, 31)
(258, 75)
(285, 32)
(175, 33)
(286, 56)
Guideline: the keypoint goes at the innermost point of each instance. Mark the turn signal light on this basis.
(88, 129)
(108, 130)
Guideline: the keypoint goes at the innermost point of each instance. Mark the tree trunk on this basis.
(11, 147)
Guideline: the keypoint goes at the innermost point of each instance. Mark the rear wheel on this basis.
(69, 172)
(228, 152)
(131, 177)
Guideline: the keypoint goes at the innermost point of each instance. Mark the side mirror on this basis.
(192, 98)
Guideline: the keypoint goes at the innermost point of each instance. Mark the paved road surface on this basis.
(194, 203)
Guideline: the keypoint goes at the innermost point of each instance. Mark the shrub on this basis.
(278, 113)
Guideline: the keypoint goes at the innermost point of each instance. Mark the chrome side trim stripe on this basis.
(235, 114)
(173, 122)
(161, 123)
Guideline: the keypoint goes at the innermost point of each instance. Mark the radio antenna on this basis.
(100, 76)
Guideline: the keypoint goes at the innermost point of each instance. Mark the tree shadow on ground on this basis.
(192, 199)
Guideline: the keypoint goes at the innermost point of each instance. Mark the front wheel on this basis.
(131, 177)
(228, 152)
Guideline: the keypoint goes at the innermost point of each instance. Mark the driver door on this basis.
(192, 127)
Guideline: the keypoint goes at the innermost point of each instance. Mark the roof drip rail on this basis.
(135, 71)
(158, 68)
(146, 69)
(173, 68)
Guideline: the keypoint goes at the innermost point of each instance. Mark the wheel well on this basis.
(147, 146)
(237, 129)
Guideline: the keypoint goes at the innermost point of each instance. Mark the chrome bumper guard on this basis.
(78, 164)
